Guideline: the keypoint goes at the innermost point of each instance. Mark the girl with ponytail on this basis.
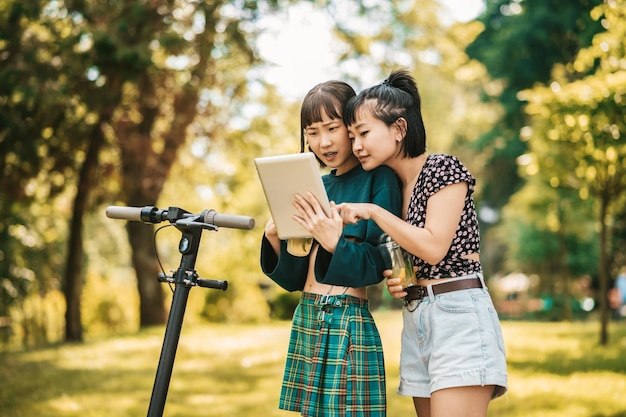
(452, 359)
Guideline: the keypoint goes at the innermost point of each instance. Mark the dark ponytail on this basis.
(401, 79)
(390, 100)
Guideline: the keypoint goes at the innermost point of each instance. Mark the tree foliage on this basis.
(577, 137)
(521, 42)
(82, 75)
(520, 45)
(161, 103)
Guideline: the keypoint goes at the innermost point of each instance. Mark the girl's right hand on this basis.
(394, 287)
(353, 212)
(270, 229)
(272, 236)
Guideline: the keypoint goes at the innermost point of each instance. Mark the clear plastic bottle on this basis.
(401, 262)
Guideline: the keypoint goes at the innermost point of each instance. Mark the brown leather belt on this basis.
(417, 292)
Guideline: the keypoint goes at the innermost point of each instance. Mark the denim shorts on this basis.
(450, 340)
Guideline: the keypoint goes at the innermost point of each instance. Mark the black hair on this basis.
(328, 98)
(390, 100)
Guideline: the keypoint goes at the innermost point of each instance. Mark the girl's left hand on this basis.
(394, 286)
(326, 229)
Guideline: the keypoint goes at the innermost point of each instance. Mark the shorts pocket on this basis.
(456, 302)
(489, 318)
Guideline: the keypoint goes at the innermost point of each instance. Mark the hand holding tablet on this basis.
(284, 176)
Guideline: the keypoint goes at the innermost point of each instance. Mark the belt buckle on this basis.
(330, 300)
(422, 292)
(325, 299)
(415, 293)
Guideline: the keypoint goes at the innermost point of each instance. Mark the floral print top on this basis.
(438, 171)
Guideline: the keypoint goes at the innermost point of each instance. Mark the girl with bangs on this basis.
(335, 364)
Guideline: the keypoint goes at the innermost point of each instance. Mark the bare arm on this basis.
(431, 242)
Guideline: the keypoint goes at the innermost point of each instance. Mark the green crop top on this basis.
(355, 263)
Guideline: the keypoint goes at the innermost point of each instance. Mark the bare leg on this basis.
(422, 406)
(460, 402)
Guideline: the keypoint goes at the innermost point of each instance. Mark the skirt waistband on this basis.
(334, 300)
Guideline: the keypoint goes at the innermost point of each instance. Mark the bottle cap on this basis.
(384, 238)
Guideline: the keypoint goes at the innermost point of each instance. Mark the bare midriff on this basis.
(424, 282)
(311, 285)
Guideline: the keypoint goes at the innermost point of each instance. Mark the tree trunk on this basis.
(151, 298)
(603, 273)
(565, 275)
(142, 185)
(145, 171)
(73, 287)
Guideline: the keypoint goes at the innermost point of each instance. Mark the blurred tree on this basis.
(578, 131)
(413, 35)
(45, 121)
(547, 230)
(218, 173)
(131, 74)
(521, 42)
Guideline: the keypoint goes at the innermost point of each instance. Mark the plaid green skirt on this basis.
(335, 365)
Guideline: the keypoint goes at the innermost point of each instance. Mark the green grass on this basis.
(555, 369)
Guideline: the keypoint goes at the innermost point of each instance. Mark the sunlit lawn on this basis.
(556, 369)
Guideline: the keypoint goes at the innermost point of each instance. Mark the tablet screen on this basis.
(283, 176)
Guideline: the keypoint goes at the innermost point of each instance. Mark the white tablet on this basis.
(282, 177)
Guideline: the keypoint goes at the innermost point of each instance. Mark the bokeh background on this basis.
(166, 103)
